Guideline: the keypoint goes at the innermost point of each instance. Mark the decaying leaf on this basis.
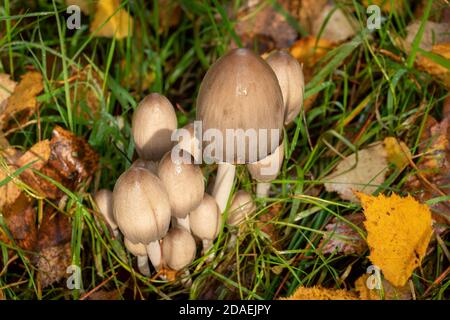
(386, 5)
(342, 237)
(434, 33)
(363, 171)
(106, 295)
(7, 87)
(334, 25)
(397, 152)
(260, 26)
(433, 68)
(398, 232)
(387, 291)
(22, 102)
(319, 293)
(119, 25)
(169, 14)
(86, 92)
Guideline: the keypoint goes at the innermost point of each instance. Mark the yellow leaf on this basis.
(433, 68)
(388, 291)
(319, 293)
(397, 152)
(119, 25)
(398, 232)
(386, 5)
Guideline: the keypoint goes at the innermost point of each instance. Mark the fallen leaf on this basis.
(319, 293)
(119, 25)
(7, 87)
(22, 102)
(397, 152)
(334, 25)
(386, 5)
(86, 92)
(398, 232)
(388, 291)
(440, 11)
(342, 238)
(362, 171)
(169, 14)
(434, 33)
(433, 68)
(106, 295)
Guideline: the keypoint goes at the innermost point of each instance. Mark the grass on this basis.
(364, 99)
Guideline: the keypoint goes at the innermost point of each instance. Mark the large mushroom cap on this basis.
(241, 92)
(178, 248)
(184, 185)
(205, 220)
(152, 125)
(104, 200)
(141, 206)
(290, 77)
(241, 207)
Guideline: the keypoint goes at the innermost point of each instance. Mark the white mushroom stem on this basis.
(223, 184)
(262, 189)
(144, 268)
(184, 222)
(154, 254)
(207, 244)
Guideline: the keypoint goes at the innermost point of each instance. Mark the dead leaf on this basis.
(7, 87)
(397, 152)
(342, 237)
(363, 171)
(398, 232)
(386, 5)
(120, 25)
(86, 92)
(334, 25)
(106, 295)
(169, 14)
(388, 291)
(22, 102)
(433, 68)
(434, 33)
(319, 293)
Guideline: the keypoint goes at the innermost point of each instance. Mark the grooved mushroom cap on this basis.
(178, 248)
(141, 206)
(205, 220)
(137, 249)
(104, 200)
(152, 125)
(241, 91)
(241, 206)
(184, 185)
(267, 169)
(150, 165)
(290, 77)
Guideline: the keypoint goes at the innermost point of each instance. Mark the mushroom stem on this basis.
(262, 189)
(223, 184)
(184, 222)
(116, 233)
(207, 244)
(144, 268)
(154, 254)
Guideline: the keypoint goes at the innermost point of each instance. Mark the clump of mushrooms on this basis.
(140, 251)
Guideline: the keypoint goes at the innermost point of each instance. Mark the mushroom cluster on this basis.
(159, 204)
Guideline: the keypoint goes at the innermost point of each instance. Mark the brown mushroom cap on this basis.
(290, 77)
(150, 165)
(141, 206)
(152, 125)
(241, 91)
(104, 200)
(241, 206)
(137, 249)
(189, 142)
(267, 169)
(205, 220)
(178, 248)
(184, 185)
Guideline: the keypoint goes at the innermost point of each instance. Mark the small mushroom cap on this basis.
(104, 200)
(184, 185)
(267, 169)
(141, 206)
(205, 220)
(152, 125)
(290, 77)
(150, 165)
(136, 249)
(241, 207)
(178, 248)
(240, 92)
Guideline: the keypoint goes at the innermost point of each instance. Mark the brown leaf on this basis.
(169, 14)
(106, 295)
(333, 24)
(390, 292)
(22, 103)
(86, 92)
(7, 87)
(434, 33)
(433, 68)
(343, 238)
(319, 293)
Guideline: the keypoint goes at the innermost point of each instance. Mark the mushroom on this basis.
(205, 221)
(189, 145)
(152, 125)
(140, 251)
(241, 207)
(184, 185)
(266, 170)
(142, 210)
(290, 77)
(104, 201)
(150, 165)
(240, 100)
